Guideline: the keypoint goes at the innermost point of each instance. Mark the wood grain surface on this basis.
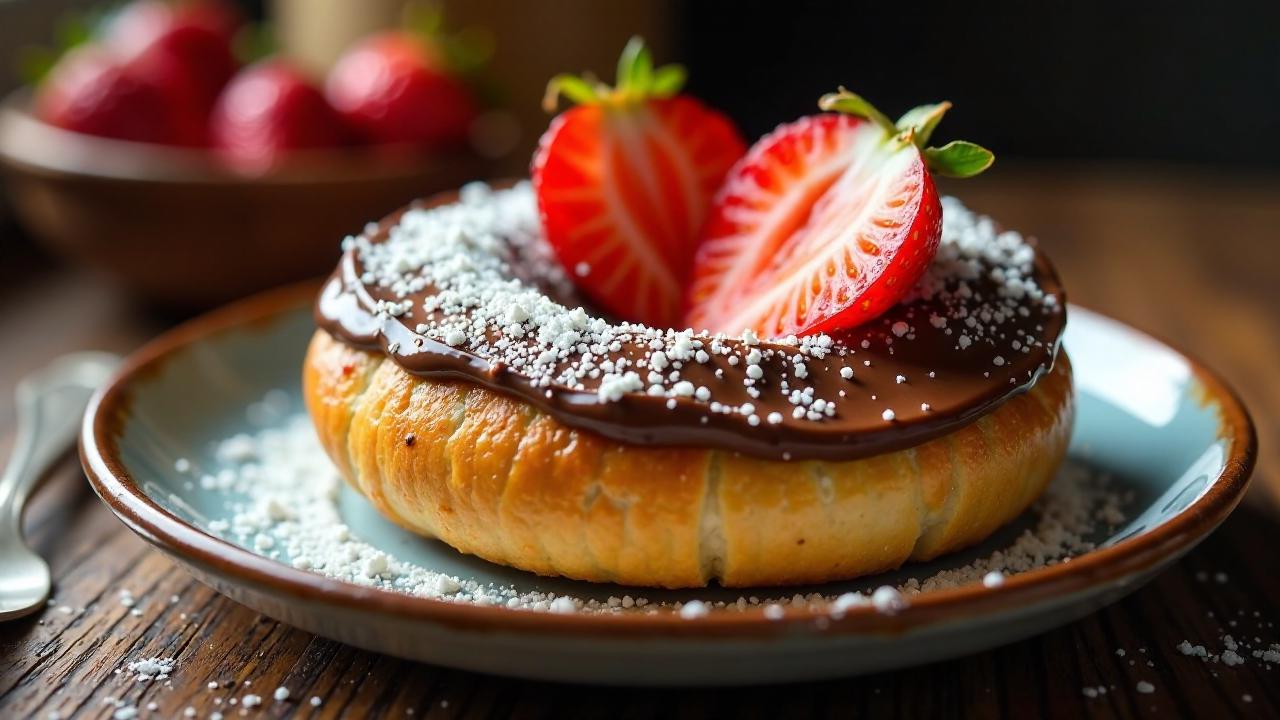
(1190, 257)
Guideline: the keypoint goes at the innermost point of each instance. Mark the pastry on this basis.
(478, 377)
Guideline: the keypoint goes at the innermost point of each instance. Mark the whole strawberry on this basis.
(184, 49)
(624, 181)
(269, 110)
(393, 88)
(91, 91)
(827, 221)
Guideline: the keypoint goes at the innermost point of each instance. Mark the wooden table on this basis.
(1190, 258)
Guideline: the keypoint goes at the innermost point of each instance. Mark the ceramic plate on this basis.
(1167, 431)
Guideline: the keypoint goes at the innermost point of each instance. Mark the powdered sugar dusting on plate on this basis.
(282, 494)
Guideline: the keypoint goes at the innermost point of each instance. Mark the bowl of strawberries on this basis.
(153, 153)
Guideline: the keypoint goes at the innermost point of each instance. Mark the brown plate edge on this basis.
(112, 482)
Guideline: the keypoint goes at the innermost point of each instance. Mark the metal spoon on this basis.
(50, 407)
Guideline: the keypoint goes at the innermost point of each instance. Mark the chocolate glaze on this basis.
(965, 383)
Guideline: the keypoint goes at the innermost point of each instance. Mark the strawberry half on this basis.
(826, 222)
(624, 182)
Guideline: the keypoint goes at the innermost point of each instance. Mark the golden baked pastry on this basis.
(495, 477)
(458, 388)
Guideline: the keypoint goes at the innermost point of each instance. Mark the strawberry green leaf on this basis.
(668, 80)
(955, 159)
(637, 80)
(254, 42)
(423, 18)
(468, 50)
(34, 63)
(854, 104)
(577, 89)
(72, 30)
(635, 67)
(465, 51)
(958, 159)
(922, 120)
(77, 29)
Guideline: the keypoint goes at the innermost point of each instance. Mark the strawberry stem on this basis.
(922, 120)
(577, 89)
(637, 80)
(635, 66)
(73, 30)
(853, 104)
(958, 158)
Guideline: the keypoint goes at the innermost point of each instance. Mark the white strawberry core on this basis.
(843, 245)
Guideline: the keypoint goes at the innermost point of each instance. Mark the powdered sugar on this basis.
(971, 248)
(1234, 652)
(887, 600)
(283, 499)
(154, 668)
(477, 276)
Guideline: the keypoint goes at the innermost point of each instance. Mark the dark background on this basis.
(1184, 82)
(1181, 82)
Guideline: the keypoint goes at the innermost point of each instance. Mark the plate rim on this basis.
(111, 481)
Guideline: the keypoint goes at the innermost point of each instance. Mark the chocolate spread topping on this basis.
(929, 365)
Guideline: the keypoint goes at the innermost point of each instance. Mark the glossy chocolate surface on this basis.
(913, 377)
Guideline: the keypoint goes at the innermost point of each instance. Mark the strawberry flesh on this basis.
(623, 190)
(825, 224)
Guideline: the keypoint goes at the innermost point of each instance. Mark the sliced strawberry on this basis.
(624, 182)
(826, 222)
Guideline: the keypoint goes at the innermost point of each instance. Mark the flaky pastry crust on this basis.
(495, 477)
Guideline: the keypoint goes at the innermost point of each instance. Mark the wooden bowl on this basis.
(179, 230)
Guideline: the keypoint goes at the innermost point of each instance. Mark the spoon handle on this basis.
(50, 406)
